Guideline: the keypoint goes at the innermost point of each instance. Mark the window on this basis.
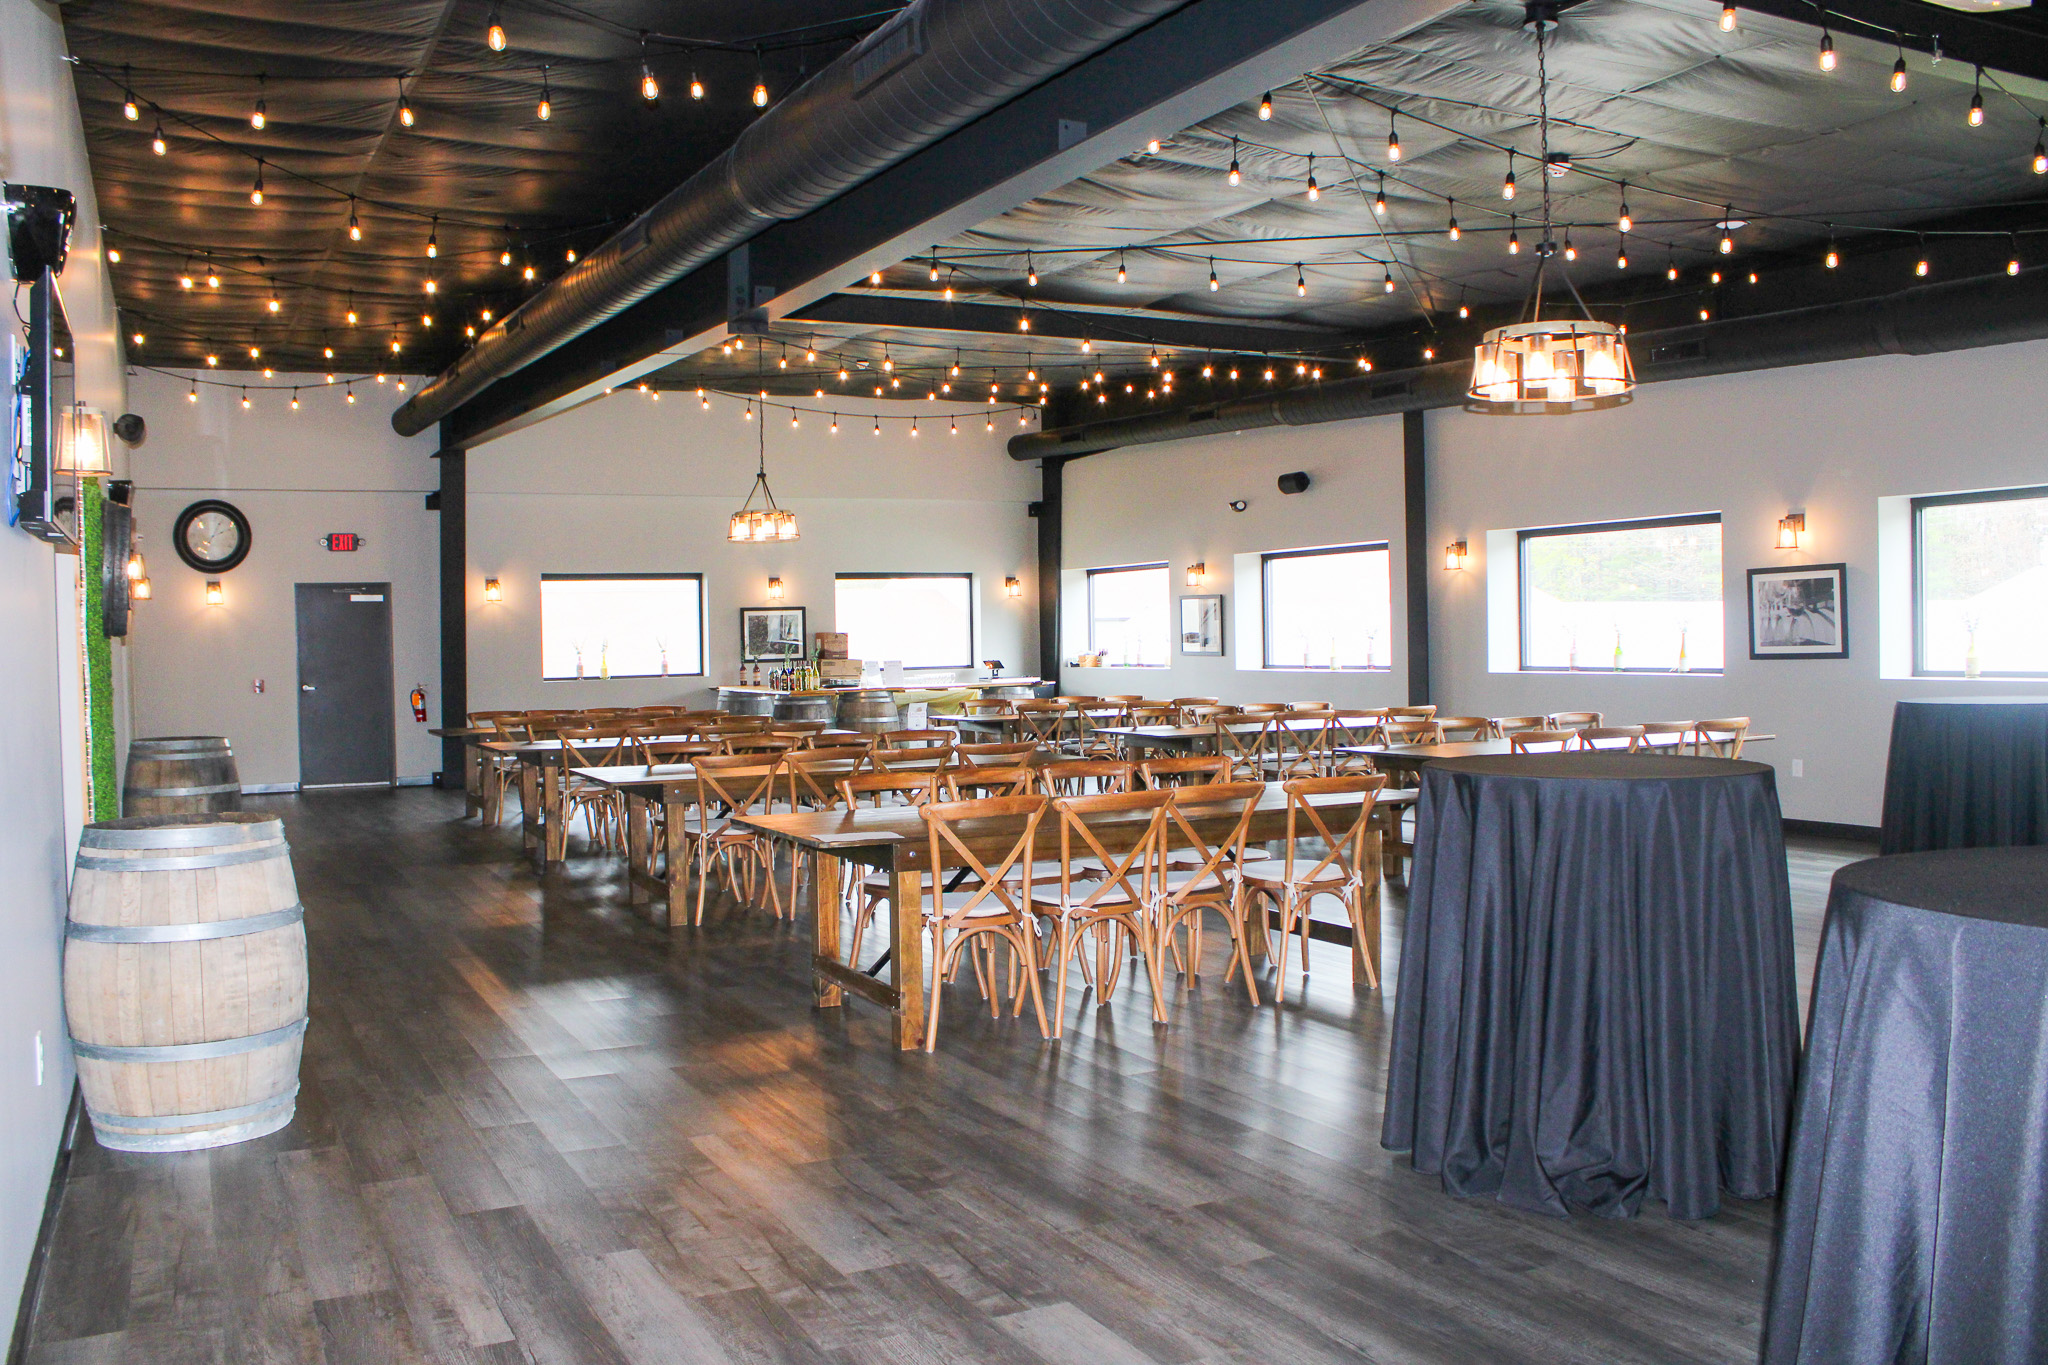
(926, 620)
(1633, 596)
(621, 625)
(1127, 616)
(1329, 608)
(1980, 583)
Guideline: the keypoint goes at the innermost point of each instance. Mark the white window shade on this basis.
(621, 625)
(926, 620)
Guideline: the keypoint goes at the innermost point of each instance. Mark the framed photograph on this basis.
(772, 635)
(1201, 624)
(1799, 613)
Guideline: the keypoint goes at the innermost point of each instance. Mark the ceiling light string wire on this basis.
(1378, 221)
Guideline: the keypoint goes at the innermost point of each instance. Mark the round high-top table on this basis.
(1967, 772)
(1596, 1000)
(1915, 1218)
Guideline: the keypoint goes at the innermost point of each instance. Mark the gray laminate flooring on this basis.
(536, 1128)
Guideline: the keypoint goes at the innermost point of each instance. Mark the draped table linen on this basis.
(1596, 999)
(1967, 772)
(1915, 1218)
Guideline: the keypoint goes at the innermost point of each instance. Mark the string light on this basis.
(351, 395)
(1621, 257)
(1393, 139)
(1514, 237)
(1727, 18)
(1387, 284)
(1153, 146)
(1571, 253)
(185, 277)
(1834, 256)
(245, 400)
(405, 118)
(2041, 150)
(1899, 66)
(1214, 283)
(696, 87)
(260, 115)
(1977, 101)
(2012, 266)
(1827, 50)
(113, 255)
(1464, 309)
(351, 309)
(494, 36)
(760, 82)
(256, 190)
(295, 400)
(1920, 266)
(878, 426)
(132, 111)
(1624, 222)
(1670, 268)
(546, 108)
(650, 89)
(1030, 271)
(276, 305)
(434, 237)
(156, 140)
(355, 227)
(1507, 186)
(1452, 230)
(1236, 176)
(1266, 107)
(1728, 231)
(192, 394)
(1121, 275)
(1300, 287)
(1379, 199)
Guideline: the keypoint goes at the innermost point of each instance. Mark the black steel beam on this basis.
(1208, 56)
(1185, 332)
(1051, 527)
(454, 505)
(1415, 486)
(1999, 42)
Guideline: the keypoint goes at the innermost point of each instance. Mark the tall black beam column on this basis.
(1414, 480)
(1051, 516)
(453, 502)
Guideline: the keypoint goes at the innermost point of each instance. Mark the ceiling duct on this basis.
(931, 70)
(1989, 310)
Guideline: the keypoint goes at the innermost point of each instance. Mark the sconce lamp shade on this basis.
(1455, 555)
(1012, 588)
(141, 591)
(1790, 527)
(1196, 573)
(774, 589)
(494, 592)
(82, 442)
(214, 595)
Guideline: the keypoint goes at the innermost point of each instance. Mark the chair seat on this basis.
(990, 908)
(1187, 857)
(1335, 886)
(1196, 880)
(1116, 901)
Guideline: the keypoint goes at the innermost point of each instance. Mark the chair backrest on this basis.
(652, 752)
(927, 758)
(814, 775)
(1541, 741)
(799, 729)
(1184, 707)
(918, 739)
(987, 706)
(1044, 721)
(512, 726)
(1209, 820)
(1627, 738)
(1458, 729)
(1243, 740)
(736, 784)
(1301, 741)
(595, 746)
(758, 744)
(1263, 708)
(844, 739)
(1151, 713)
(1345, 837)
(1503, 726)
(963, 783)
(887, 789)
(1573, 720)
(1103, 851)
(1673, 735)
(1000, 755)
(1412, 712)
(1417, 730)
(1722, 738)
(1355, 726)
(1085, 777)
(989, 879)
(1183, 771)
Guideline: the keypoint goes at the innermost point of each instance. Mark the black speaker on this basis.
(1297, 482)
(131, 428)
(38, 229)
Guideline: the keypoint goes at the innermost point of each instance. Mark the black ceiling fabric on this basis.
(477, 155)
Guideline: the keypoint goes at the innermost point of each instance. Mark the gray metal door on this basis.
(345, 707)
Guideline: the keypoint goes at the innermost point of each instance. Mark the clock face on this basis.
(212, 536)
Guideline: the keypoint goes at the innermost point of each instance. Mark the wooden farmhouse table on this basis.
(1186, 739)
(472, 763)
(894, 840)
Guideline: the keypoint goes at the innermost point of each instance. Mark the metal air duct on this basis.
(931, 70)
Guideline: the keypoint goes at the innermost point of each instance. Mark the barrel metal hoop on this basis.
(198, 835)
(150, 747)
(190, 1052)
(164, 1121)
(184, 933)
(218, 788)
(87, 863)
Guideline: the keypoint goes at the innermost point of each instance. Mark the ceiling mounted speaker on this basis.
(1297, 482)
(38, 228)
(130, 427)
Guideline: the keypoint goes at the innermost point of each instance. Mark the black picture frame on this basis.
(1799, 611)
(1194, 628)
(774, 635)
(246, 538)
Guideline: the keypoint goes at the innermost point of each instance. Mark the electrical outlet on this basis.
(39, 1056)
(1798, 767)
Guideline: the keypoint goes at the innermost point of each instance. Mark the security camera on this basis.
(1237, 504)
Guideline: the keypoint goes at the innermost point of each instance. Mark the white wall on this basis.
(630, 485)
(1171, 501)
(1831, 439)
(297, 475)
(42, 143)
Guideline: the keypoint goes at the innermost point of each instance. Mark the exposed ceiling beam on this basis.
(1997, 42)
(1179, 332)
(1203, 58)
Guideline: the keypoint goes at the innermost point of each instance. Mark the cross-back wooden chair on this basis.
(881, 791)
(1350, 729)
(927, 758)
(998, 755)
(1462, 729)
(1721, 738)
(1541, 741)
(1409, 730)
(729, 787)
(1503, 726)
(1183, 770)
(986, 904)
(1152, 713)
(1665, 736)
(1625, 738)
(603, 809)
(1573, 720)
(501, 771)
(1412, 712)
(844, 741)
(1202, 843)
(1108, 874)
(1085, 776)
(919, 739)
(1244, 740)
(987, 707)
(758, 743)
(1043, 722)
(654, 752)
(964, 784)
(811, 783)
(1184, 706)
(1300, 744)
(1347, 867)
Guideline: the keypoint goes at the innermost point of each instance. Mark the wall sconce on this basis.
(1012, 588)
(494, 592)
(1196, 573)
(82, 442)
(774, 589)
(1456, 555)
(214, 595)
(1791, 526)
(140, 590)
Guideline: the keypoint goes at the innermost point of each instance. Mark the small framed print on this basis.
(1800, 612)
(771, 635)
(1201, 624)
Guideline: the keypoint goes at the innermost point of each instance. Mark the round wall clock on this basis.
(212, 536)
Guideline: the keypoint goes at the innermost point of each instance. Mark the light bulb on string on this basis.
(1464, 308)
(1393, 139)
(2040, 162)
(1451, 230)
(494, 33)
(1300, 283)
(696, 87)
(835, 424)
(351, 309)
(1507, 186)
(256, 190)
(1670, 268)
(546, 108)
(156, 140)
(1266, 107)
(1214, 283)
(212, 277)
(1121, 276)
(1728, 231)
(185, 277)
(295, 400)
(1898, 82)
(260, 115)
(192, 394)
(529, 272)
(650, 88)
(275, 304)
(1624, 221)
(1834, 256)
(2012, 265)
(350, 395)
(1314, 190)
(1030, 271)
(1920, 266)
(1379, 199)
(405, 117)
(1727, 18)
(1827, 51)
(1977, 101)
(1152, 147)
(212, 361)
(1571, 253)
(113, 255)
(1514, 237)
(132, 111)
(760, 82)
(1387, 284)
(1236, 176)
(1621, 257)
(434, 238)
(355, 227)
(245, 400)
(878, 426)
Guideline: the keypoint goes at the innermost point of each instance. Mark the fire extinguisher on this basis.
(419, 705)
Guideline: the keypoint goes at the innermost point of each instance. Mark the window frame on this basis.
(973, 614)
(1168, 600)
(1529, 533)
(1266, 559)
(703, 669)
(1919, 570)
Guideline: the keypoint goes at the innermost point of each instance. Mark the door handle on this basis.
(307, 687)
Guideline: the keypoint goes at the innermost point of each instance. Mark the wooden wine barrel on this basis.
(185, 979)
(807, 706)
(870, 709)
(1010, 692)
(180, 775)
(745, 701)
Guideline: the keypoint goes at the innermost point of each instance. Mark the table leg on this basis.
(1365, 933)
(674, 811)
(906, 952)
(556, 830)
(472, 780)
(639, 855)
(825, 926)
(529, 808)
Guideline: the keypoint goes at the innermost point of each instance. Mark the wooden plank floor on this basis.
(536, 1129)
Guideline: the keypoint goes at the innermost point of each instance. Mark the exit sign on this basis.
(341, 540)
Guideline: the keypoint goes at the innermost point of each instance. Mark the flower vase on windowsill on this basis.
(1683, 666)
(1617, 651)
(604, 661)
(579, 661)
(1971, 667)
